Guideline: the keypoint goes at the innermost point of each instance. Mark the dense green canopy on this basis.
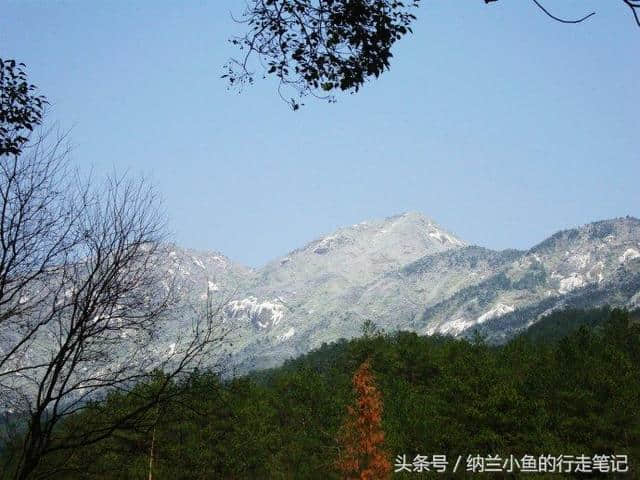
(571, 386)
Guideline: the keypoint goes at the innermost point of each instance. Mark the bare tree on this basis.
(83, 300)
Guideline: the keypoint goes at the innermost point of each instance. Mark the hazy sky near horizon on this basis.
(497, 122)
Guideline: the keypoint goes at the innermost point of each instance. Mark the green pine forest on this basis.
(568, 385)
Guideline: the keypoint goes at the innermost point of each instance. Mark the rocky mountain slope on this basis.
(406, 272)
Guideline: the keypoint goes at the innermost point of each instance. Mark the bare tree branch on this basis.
(561, 20)
(84, 302)
(634, 5)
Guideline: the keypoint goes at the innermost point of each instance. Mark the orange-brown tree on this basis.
(362, 455)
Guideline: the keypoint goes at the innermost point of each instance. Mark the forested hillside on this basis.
(569, 386)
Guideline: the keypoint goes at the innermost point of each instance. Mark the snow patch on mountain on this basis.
(444, 237)
(263, 314)
(629, 254)
(288, 334)
(497, 311)
(596, 273)
(328, 243)
(573, 281)
(198, 263)
(579, 260)
(454, 327)
(634, 302)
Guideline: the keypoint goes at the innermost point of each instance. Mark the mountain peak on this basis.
(413, 217)
(410, 231)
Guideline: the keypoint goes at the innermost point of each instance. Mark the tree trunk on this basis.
(153, 442)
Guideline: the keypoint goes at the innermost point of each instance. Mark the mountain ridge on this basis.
(407, 272)
(403, 272)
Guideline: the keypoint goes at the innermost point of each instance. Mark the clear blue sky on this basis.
(495, 121)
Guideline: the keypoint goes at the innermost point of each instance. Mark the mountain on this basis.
(407, 272)
(403, 273)
(597, 264)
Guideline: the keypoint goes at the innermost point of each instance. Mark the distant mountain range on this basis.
(407, 272)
